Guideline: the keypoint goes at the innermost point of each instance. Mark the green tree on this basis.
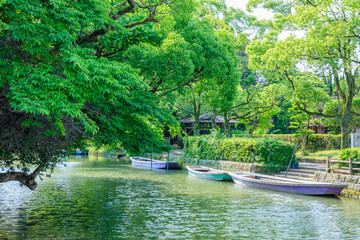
(332, 108)
(213, 47)
(255, 106)
(301, 121)
(65, 80)
(281, 120)
(331, 39)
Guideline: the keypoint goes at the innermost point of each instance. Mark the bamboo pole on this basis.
(168, 159)
(287, 170)
(252, 169)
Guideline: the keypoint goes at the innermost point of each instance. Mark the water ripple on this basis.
(104, 199)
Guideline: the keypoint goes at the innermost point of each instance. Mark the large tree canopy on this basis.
(100, 71)
(62, 83)
(329, 40)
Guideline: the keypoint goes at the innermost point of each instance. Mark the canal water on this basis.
(104, 199)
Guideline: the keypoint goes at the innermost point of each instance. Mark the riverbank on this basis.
(234, 166)
(353, 191)
(101, 198)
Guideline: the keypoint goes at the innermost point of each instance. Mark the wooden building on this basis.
(318, 128)
(205, 124)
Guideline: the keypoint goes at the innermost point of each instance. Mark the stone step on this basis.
(312, 166)
(295, 177)
(300, 170)
(307, 160)
(299, 174)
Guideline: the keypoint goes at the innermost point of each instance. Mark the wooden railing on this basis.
(331, 167)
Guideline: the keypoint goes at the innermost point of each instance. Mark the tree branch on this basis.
(143, 21)
(304, 109)
(92, 37)
(337, 83)
(22, 177)
(248, 99)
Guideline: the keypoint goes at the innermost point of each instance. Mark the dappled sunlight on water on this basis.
(103, 198)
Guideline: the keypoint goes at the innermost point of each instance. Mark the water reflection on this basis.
(102, 198)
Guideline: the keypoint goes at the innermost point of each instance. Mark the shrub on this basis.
(273, 151)
(316, 142)
(350, 152)
(347, 153)
(268, 151)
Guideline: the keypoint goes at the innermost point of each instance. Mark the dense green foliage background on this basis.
(105, 73)
(267, 151)
(314, 142)
(117, 74)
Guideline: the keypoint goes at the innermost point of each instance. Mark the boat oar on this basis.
(252, 165)
(167, 164)
(287, 170)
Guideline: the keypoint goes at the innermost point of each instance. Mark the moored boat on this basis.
(208, 173)
(287, 185)
(152, 163)
(80, 152)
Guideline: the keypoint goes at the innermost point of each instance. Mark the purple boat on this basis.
(146, 162)
(287, 185)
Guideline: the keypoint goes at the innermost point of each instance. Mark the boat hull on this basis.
(83, 152)
(300, 187)
(210, 176)
(148, 163)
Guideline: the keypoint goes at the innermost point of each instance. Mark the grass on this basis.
(334, 154)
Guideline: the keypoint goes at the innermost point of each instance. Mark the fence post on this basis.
(351, 172)
(328, 164)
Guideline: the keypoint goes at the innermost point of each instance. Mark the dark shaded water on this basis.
(103, 199)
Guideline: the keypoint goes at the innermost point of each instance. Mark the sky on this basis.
(259, 13)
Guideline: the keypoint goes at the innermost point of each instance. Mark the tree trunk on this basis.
(345, 130)
(196, 124)
(197, 108)
(213, 117)
(255, 124)
(303, 145)
(227, 125)
(345, 119)
(347, 99)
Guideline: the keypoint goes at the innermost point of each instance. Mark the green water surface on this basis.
(104, 199)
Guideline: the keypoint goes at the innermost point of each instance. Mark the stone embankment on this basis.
(353, 190)
(233, 166)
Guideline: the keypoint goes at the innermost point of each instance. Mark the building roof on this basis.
(206, 118)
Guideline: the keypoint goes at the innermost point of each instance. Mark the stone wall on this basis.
(233, 166)
(353, 190)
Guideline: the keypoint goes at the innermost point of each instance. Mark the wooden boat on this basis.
(151, 163)
(287, 185)
(208, 173)
(81, 152)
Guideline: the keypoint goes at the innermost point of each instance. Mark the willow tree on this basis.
(329, 36)
(64, 80)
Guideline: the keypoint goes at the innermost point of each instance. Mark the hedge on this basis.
(268, 151)
(346, 154)
(316, 142)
